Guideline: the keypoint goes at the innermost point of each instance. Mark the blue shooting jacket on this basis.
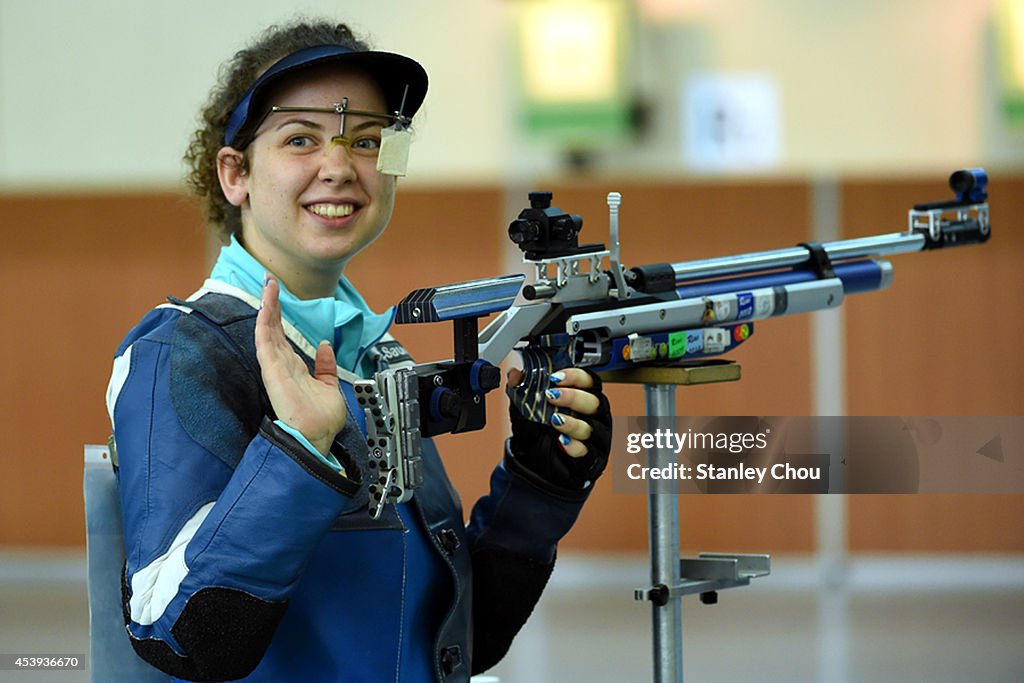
(251, 558)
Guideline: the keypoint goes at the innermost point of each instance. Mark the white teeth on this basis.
(332, 210)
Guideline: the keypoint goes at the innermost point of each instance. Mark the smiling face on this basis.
(308, 204)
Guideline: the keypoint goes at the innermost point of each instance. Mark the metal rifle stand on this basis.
(673, 577)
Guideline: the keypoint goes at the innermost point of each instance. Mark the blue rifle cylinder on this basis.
(857, 277)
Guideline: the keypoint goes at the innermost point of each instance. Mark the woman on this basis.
(242, 464)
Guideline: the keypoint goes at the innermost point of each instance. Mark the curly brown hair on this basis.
(234, 79)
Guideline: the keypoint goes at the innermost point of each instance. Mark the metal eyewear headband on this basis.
(402, 81)
(398, 121)
(391, 149)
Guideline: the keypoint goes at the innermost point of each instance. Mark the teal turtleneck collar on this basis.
(345, 320)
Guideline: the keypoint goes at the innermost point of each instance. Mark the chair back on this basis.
(111, 657)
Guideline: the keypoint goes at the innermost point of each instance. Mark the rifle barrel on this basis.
(842, 250)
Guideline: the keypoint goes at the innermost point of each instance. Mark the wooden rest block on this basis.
(683, 372)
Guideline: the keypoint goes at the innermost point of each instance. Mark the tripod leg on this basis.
(663, 511)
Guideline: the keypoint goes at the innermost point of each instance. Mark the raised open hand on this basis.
(312, 404)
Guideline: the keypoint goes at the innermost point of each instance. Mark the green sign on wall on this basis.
(573, 67)
(1009, 29)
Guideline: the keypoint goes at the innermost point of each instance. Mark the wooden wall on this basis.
(944, 339)
(79, 271)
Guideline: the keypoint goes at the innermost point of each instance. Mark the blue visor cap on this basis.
(402, 81)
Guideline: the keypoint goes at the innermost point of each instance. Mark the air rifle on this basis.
(585, 308)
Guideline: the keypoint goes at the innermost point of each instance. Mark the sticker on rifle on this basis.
(715, 340)
(709, 311)
(764, 304)
(641, 349)
(723, 310)
(676, 344)
(744, 305)
(694, 341)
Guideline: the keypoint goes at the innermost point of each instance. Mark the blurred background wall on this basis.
(870, 105)
(104, 94)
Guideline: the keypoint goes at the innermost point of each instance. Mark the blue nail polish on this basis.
(557, 378)
(557, 420)
(552, 394)
(564, 439)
